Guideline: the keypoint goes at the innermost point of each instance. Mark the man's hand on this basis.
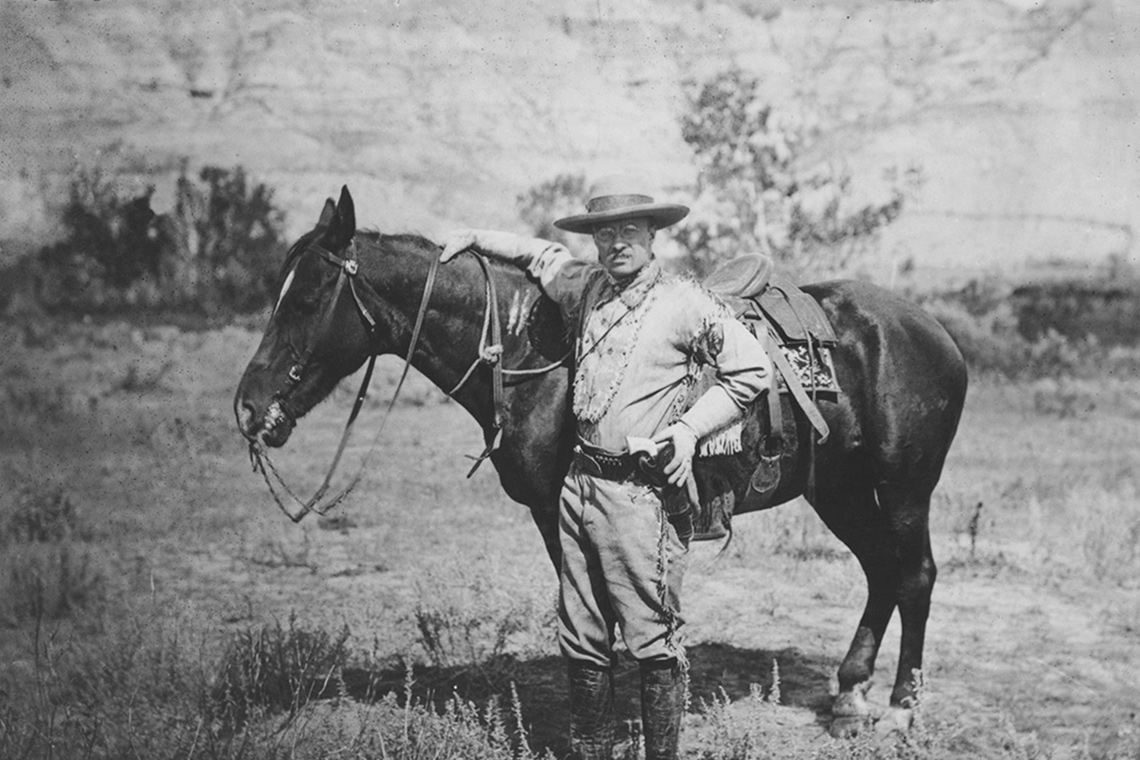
(684, 449)
(456, 242)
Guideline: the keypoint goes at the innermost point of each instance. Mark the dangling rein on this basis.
(490, 352)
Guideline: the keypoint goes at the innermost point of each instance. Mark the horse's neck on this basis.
(451, 336)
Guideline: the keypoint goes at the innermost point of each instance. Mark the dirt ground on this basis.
(1034, 630)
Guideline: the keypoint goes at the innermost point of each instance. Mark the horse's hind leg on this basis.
(908, 514)
(889, 538)
(860, 525)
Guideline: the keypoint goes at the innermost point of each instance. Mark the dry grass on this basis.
(50, 568)
(189, 568)
(466, 617)
(1045, 493)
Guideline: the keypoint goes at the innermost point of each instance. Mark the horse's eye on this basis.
(308, 302)
(297, 303)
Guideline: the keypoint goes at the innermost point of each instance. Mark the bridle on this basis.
(347, 269)
(490, 353)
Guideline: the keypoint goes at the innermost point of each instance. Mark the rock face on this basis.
(441, 113)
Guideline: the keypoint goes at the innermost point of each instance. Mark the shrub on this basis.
(140, 691)
(216, 252)
(277, 668)
(985, 341)
(1108, 310)
(47, 571)
(754, 193)
(987, 326)
(471, 621)
(131, 691)
(39, 513)
(407, 729)
(555, 198)
(48, 581)
(223, 242)
(109, 257)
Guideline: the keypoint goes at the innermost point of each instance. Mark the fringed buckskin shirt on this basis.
(642, 344)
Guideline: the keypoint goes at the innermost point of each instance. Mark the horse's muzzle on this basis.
(275, 426)
(271, 430)
(246, 419)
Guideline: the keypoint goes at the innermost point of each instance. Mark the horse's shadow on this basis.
(716, 672)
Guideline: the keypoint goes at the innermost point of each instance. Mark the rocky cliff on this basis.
(1022, 114)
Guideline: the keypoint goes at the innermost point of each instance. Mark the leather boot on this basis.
(662, 703)
(592, 722)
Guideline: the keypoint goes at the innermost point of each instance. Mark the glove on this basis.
(684, 445)
(456, 242)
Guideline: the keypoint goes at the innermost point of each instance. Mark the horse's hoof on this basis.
(853, 703)
(851, 713)
(894, 720)
(848, 727)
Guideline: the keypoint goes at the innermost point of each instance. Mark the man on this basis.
(643, 337)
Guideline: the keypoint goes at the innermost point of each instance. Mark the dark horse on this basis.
(903, 386)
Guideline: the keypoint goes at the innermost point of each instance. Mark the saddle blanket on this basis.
(813, 366)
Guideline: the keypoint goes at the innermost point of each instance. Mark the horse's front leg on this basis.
(545, 517)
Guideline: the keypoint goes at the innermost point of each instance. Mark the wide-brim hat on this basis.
(619, 197)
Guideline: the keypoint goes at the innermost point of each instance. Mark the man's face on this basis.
(624, 247)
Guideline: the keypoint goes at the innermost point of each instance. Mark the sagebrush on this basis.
(216, 252)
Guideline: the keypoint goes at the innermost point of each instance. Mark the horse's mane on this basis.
(399, 239)
(295, 251)
(414, 242)
(400, 242)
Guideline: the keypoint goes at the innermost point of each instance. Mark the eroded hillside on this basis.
(1021, 114)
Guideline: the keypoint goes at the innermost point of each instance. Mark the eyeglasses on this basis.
(628, 233)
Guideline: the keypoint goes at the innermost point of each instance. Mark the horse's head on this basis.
(316, 335)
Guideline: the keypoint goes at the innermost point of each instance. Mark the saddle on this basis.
(798, 338)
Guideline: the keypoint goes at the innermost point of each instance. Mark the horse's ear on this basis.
(343, 225)
(327, 213)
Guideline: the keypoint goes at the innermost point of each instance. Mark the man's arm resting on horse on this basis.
(551, 264)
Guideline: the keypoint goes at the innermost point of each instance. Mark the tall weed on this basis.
(471, 621)
(143, 691)
(48, 570)
(1110, 524)
(276, 668)
(132, 692)
(397, 729)
(39, 513)
(54, 580)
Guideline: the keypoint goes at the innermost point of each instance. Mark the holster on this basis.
(635, 468)
(677, 502)
(652, 468)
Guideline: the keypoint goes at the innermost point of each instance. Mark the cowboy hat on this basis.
(617, 197)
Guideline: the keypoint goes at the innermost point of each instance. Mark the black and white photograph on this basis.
(570, 380)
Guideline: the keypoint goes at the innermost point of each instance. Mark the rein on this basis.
(490, 353)
(348, 267)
